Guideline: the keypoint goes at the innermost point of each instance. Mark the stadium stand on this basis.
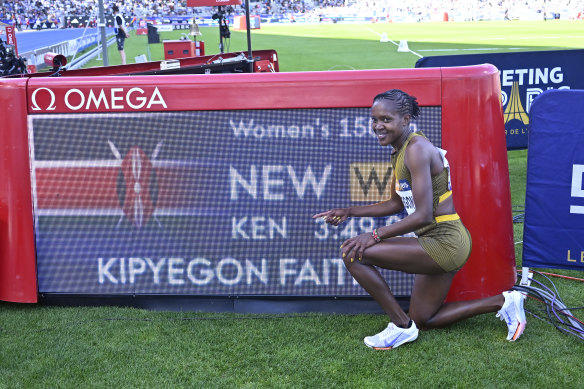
(40, 14)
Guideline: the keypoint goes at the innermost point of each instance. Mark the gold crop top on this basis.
(441, 186)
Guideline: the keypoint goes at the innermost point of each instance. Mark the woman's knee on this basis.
(347, 261)
(351, 262)
(423, 321)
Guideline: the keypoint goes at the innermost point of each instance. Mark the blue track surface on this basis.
(31, 40)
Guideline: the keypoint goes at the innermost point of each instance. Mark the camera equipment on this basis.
(2, 49)
(224, 32)
(57, 61)
(9, 62)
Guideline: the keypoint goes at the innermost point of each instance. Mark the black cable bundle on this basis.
(557, 313)
(518, 213)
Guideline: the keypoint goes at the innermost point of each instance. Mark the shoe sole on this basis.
(518, 332)
(521, 319)
(410, 339)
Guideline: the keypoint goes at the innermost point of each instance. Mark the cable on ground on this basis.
(558, 314)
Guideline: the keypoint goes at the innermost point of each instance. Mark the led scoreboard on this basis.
(206, 185)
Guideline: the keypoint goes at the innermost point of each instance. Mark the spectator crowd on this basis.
(28, 14)
(31, 14)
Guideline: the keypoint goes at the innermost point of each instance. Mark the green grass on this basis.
(357, 46)
(517, 177)
(53, 347)
(120, 347)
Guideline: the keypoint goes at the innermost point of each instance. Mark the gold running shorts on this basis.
(447, 242)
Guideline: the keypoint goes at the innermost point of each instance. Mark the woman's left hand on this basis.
(353, 248)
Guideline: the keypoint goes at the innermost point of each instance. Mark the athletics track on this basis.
(31, 40)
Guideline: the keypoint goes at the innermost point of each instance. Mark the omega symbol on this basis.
(35, 105)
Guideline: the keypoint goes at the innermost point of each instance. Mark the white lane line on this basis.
(477, 49)
(392, 41)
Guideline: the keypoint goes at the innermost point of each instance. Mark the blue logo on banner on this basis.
(524, 75)
(554, 206)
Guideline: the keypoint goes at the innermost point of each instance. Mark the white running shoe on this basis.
(513, 314)
(392, 337)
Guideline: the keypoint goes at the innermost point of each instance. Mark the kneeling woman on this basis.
(421, 185)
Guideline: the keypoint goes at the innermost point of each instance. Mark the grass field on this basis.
(48, 347)
(357, 46)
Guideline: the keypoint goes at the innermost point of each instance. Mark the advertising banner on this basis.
(524, 75)
(11, 38)
(205, 202)
(554, 205)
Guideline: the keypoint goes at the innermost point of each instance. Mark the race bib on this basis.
(404, 191)
(446, 165)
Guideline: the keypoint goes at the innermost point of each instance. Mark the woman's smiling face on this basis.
(387, 123)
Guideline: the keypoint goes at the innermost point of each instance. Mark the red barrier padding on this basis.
(18, 281)
(472, 132)
(231, 91)
(155, 66)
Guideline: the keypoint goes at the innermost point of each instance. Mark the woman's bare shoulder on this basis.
(420, 144)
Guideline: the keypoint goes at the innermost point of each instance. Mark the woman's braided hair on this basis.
(405, 104)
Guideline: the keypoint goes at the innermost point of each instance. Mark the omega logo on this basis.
(114, 98)
(35, 106)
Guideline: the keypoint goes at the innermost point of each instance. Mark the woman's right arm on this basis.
(380, 209)
(383, 208)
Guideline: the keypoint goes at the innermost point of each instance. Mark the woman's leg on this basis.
(403, 254)
(431, 285)
(427, 306)
(428, 310)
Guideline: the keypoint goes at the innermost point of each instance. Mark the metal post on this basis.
(101, 26)
(222, 23)
(249, 53)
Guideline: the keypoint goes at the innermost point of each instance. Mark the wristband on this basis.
(375, 235)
